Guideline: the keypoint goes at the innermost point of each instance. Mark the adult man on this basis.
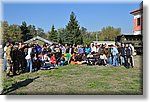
(93, 48)
(21, 57)
(122, 54)
(9, 59)
(115, 55)
(15, 59)
(129, 56)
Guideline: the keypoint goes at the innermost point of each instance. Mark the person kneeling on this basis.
(102, 60)
(90, 59)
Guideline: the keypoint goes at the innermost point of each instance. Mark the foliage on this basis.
(16, 33)
(10, 32)
(40, 32)
(5, 31)
(52, 35)
(32, 31)
(109, 33)
(73, 34)
(62, 35)
(25, 31)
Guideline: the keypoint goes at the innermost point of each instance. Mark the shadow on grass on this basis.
(19, 85)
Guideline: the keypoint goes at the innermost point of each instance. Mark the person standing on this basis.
(29, 59)
(122, 56)
(131, 57)
(5, 62)
(115, 55)
(87, 49)
(93, 48)
(80, 50)
(128, 56)
(70, 49)
(9, 59)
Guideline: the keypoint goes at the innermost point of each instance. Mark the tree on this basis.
(31, 31)
(53, 34)
(5, 31)
(62, 35)
(24, 31)
(73, 34)
(11, 32)
(41, 33)
(15, 32)
(109, 33)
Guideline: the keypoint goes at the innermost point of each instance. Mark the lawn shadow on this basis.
(19, 85)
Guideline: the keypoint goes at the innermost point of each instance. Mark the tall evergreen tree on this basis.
(52, 35)
(24, 31)
(73, 34)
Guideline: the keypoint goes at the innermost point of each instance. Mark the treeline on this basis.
(73, 33)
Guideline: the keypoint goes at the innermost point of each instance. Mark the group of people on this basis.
(21, 57)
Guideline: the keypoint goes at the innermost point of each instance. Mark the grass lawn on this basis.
(79, 79)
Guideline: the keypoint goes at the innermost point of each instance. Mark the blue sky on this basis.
(93, 16)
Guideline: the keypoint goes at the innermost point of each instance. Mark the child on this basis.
(53, 60)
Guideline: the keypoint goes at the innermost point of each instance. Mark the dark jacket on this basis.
(128, 51)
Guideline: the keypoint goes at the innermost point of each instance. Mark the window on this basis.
(138, 21)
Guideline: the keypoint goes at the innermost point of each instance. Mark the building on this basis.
(136, 39)
(104, 42)
(39, 39)
(138, 20)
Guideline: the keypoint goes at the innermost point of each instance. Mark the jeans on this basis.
(115, 60)
(121, 60)
(129, 61)
(62, 63)
(110, 60)
(29, 65)
(5, 63)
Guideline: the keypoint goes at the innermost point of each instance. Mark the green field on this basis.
(79, 79)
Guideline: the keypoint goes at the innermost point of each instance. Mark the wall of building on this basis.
(137, 28)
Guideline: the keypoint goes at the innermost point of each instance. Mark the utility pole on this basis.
(96, 37)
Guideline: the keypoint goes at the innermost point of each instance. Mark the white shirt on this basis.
(93, 49)
(29, 54)
(44, 58)
(5, 50)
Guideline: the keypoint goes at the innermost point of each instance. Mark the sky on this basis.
(93, 16)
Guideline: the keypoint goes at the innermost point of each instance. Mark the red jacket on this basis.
(53, 60)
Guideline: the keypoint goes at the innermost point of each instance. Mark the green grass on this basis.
(78, 79)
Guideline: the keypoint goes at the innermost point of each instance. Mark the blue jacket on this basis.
(114, 51)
